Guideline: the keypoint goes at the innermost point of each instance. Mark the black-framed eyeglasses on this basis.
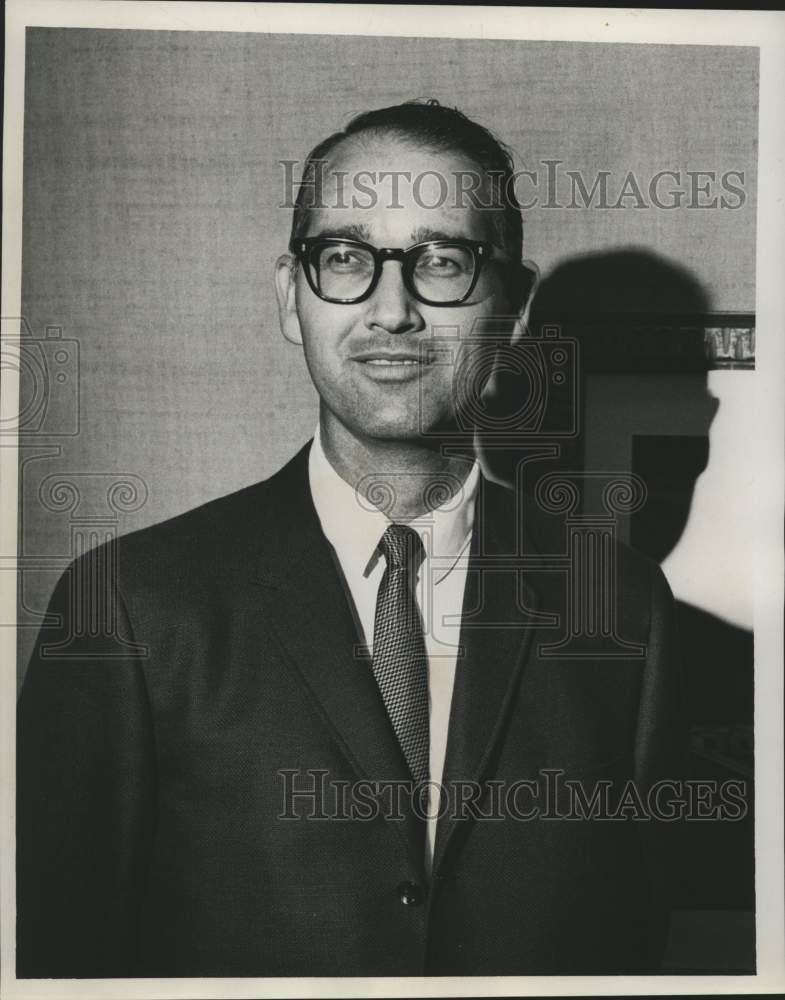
(436, 273)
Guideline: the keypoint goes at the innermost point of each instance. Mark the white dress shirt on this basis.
(354, 527)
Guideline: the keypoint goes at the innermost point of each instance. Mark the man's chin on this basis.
(405, 430)
(392, 431)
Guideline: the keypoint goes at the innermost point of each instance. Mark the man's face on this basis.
(369, 360)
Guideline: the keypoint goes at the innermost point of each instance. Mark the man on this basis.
(227, 739)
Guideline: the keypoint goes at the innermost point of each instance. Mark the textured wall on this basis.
(152, 219)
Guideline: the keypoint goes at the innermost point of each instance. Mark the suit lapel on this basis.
(311, 611)
(499, 617)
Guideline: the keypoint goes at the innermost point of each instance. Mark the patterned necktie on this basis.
(400, 662)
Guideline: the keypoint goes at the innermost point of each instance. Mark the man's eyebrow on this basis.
(359, 231)
(353, 231)
(423, 234)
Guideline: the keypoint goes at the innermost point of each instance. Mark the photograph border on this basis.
(764, 30)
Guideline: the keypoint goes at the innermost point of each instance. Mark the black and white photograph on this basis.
(392, 515)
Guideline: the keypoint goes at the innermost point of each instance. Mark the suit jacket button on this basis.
(410, 894)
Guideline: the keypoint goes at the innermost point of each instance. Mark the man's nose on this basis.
(391, 308)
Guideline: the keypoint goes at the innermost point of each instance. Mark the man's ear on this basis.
(285, 270)
(530, 279)
(520, 307)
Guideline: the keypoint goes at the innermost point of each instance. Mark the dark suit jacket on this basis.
(188, 664)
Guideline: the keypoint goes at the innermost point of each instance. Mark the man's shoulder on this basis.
(219, 533)
(554, 540)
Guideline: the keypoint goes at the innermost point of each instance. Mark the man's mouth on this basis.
(393, 366)
(392, 361)
(387, 358)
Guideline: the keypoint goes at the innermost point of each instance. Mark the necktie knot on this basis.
(402, 547)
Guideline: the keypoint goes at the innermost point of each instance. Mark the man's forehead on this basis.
(372, 185)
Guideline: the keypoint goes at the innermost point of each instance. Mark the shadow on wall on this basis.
(585, 298)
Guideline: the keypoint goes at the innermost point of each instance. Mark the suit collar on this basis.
(353, 525)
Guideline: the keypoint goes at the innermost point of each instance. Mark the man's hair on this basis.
(439, 129)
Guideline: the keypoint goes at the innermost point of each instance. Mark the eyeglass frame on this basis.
(302, 248)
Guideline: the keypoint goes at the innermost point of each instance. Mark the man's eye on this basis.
(344, 260)
(442, 264)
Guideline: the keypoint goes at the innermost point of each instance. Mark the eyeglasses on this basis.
(437, 273)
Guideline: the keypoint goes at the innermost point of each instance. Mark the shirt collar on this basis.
(353, 526)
